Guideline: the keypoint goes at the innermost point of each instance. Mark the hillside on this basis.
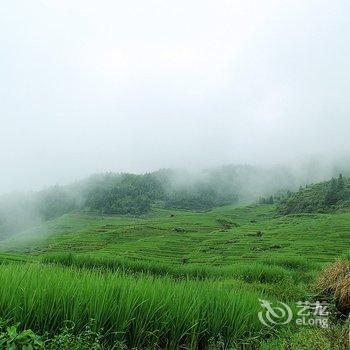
(135, 194)
(322, 197)
(219, 237)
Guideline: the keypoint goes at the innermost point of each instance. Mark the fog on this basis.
(89, 86)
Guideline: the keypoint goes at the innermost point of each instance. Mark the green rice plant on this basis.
(253, 272)
(293, 263)
(138, 310)
(256, 272)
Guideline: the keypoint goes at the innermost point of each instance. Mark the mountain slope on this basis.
(321, 197)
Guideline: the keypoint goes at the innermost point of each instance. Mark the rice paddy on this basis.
(172, 279)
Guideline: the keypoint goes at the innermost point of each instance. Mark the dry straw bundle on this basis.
(335, 281)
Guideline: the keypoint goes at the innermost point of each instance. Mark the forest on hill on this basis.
(321, 197)
(135, 194)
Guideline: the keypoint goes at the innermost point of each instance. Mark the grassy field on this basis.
(170, 279)
(219, 237)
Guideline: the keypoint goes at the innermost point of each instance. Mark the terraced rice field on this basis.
(171, 279)
(219, 237)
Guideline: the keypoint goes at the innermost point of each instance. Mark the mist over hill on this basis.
(134, 194)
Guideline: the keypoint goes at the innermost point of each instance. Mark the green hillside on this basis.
(322, 197)
(219, 237)
(170, 278)
(136, 194)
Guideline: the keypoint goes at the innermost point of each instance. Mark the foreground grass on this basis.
(141, 311)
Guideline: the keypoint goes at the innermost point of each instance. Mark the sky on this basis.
(93, 86)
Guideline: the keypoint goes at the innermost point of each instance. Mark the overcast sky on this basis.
(90, 86)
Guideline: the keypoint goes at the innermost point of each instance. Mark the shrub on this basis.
(12, 338)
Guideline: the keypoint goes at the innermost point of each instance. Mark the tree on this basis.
(341, 184)
(332, 194)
